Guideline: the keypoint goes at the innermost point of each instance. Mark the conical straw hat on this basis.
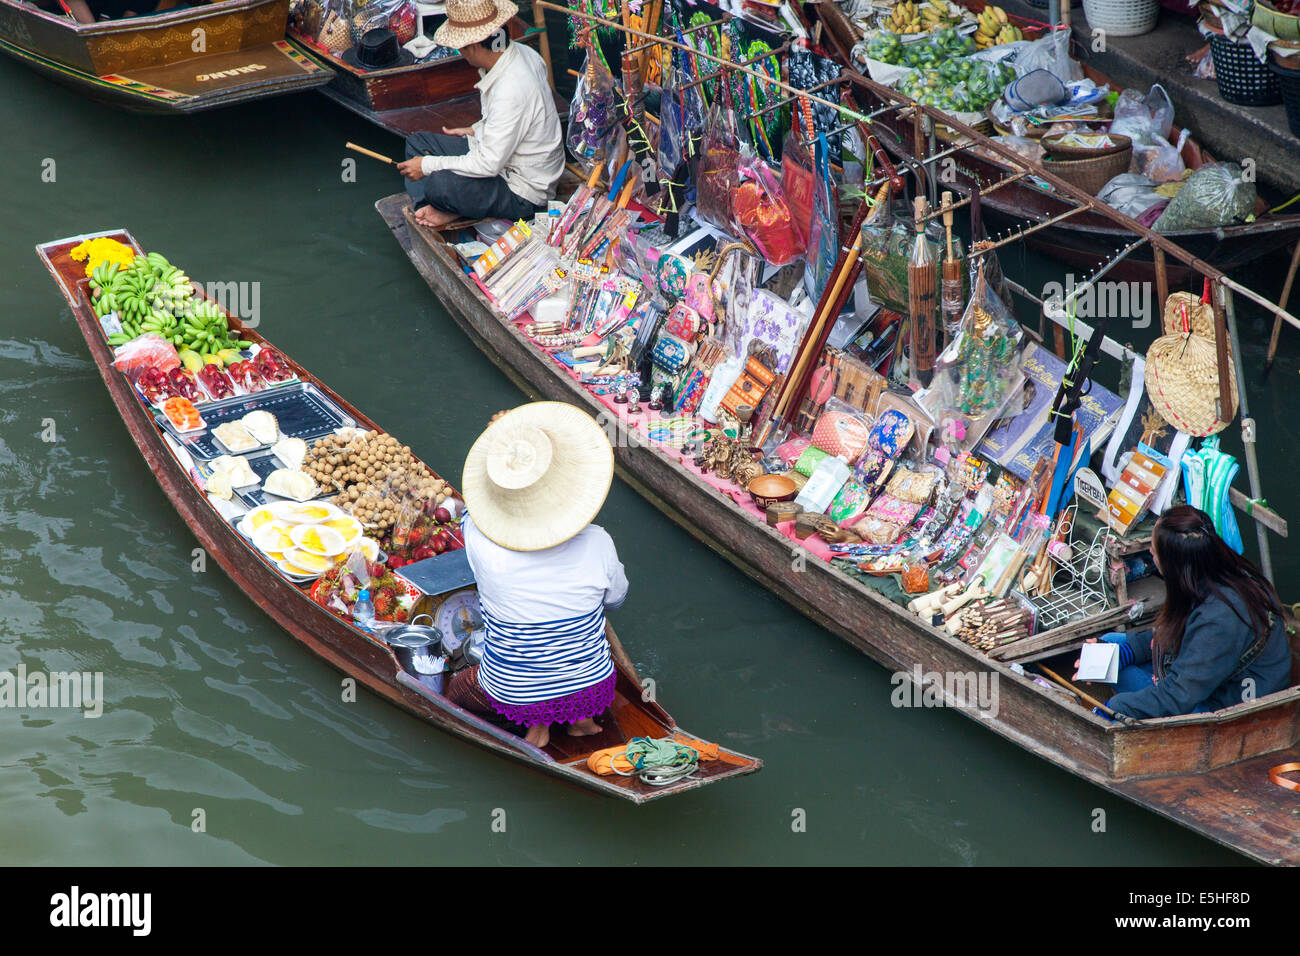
(537, 476)
(1182, 380)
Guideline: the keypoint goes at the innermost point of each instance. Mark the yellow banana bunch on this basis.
(905, 18)
(994, 30)
(936, 14)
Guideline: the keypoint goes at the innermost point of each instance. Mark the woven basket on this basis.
(1056, 150)
(1091, 174)
(1182, 380)
(1122, 18)
(1243, 79)
(1289, 83)
(1284, 26)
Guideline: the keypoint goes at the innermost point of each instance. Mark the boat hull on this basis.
(1120, 759)
(334, 640)
(182, 61)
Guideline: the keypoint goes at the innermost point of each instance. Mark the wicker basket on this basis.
(1122, 18)
(1056, 150)
(1284, 26)
(1289, 83)
(1091, 174)
(1241, 77)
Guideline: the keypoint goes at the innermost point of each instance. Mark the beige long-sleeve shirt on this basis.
(519, 136)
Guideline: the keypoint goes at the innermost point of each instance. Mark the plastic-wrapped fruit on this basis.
(403, 23)
(182, 413)
(216, 381)
(272, 366)
(185, 385)
(246, 376)
(155, 385)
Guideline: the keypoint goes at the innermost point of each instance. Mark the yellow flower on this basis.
(102, 249)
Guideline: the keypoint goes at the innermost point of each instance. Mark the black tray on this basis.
(301, 409)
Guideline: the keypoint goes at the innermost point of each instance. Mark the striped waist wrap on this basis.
(527, 663)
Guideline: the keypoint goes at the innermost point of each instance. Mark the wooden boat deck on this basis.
(1159, 764)
(345, 647)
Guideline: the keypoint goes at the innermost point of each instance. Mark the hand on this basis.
(411, 168)
(1110, 637)
(458, 131)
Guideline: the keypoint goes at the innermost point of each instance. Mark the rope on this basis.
(659, 762)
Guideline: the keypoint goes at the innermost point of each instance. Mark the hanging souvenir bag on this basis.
(717, 176)
(592, 116)
(980, 368)
(798, 175)
(887, 242)
(763, 215)
(824, 241)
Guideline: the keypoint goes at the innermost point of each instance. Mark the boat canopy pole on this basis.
(754, 59)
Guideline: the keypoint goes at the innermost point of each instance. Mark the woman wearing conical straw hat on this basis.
(546, 575)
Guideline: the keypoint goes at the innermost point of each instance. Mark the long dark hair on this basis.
(1196, 563)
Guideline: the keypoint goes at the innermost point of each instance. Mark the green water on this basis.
(209, 706)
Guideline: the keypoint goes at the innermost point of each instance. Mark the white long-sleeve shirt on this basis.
(519, 136)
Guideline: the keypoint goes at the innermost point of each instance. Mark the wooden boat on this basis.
(338, 642)
(406, 99)
(1089, 238)
(148, 64)
(1207, 772)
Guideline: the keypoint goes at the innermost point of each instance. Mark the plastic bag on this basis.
(979, 368)
(1131, 193)
(761, 211)
(593, 118)
(1217, 194)
(1143, 117)
(1050, 52)
(718, 174)
(1158, 159)
(798, 180)
(150, 350)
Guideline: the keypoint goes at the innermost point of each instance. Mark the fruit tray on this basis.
(301, 409)
(262, 463)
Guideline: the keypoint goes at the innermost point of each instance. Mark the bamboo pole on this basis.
(1286, 296)
(539, 23)
(1247, 432)
(368, 152)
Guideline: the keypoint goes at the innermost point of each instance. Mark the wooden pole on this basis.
(539, 23)
(1086, 698)
(1277, 319)
(366, 152)
(1247, 430)
(1162, 279)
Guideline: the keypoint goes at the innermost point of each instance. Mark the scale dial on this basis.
(457, 616)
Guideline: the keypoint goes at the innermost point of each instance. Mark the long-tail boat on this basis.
(1081, 237)
(176, 61)
(1209, 772)
(356, 652)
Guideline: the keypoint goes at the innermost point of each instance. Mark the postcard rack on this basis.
(1078, 583)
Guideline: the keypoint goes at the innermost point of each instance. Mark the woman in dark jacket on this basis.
(1219, 639)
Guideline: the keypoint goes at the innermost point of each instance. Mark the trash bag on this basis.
(1217, 194)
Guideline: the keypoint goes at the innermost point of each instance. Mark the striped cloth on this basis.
(1207, 480)
(528, 663)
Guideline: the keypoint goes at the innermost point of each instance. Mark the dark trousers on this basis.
(467, 196)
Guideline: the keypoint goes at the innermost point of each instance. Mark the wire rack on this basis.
(1079, 584)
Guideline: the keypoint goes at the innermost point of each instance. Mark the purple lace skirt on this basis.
(569, 709)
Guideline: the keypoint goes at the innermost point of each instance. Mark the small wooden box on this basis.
(782, 511)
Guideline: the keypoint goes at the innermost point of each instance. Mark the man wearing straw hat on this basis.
(532, 483)
(507, 164)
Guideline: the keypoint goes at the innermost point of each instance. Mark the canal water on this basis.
(223, 741)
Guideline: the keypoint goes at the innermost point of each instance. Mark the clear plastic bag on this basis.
(1050, 52)
(1217, 194)
(1143, 117)
(150, 350)
(798, 181)
(1131, 193)
(762, 213)
(593, 116)
(718, 174)
(1158, 159)
(980, 367)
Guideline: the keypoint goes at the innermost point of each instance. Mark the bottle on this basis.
(363, 612)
